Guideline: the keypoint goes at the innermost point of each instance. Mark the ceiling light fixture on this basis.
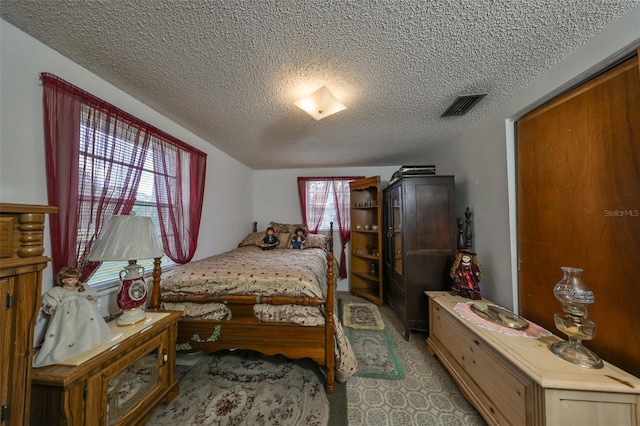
(320, 104)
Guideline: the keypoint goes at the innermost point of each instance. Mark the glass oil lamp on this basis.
(575, 298)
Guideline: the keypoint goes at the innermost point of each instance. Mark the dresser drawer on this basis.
(505, 398)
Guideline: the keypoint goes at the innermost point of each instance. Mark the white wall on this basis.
(275, 192)
(227, 211)
(276, 195)
(482, 158)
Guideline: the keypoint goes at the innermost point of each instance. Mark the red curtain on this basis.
(95, 155)
(342, 194)
(314, 192)
(314, 195)
(179, 199)
(62, 141)
(75, 121)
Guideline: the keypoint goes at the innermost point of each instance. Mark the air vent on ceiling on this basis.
(462, 105)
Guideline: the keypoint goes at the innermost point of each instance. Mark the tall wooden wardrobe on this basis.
(419, 244)
(21, 263)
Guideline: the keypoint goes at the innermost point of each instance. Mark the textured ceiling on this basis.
(230, 70)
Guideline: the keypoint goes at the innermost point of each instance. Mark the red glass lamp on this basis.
(128, 237)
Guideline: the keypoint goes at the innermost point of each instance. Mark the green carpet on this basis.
(377, 357)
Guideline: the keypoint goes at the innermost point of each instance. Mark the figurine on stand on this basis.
(75, 325)
(466, 273)
(270, 241)
(297, 241)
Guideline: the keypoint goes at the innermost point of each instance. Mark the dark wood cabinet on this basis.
(419, 244)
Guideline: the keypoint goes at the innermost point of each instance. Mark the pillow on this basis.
(284, 240)
(316, 241)
(253, 239)
(288, 227)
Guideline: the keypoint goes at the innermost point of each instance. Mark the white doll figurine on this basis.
(75, 325)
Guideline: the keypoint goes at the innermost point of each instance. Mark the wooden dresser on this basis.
(22, 261)
(118, 383)
(517, 380)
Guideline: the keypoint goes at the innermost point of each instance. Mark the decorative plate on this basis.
(499, 316)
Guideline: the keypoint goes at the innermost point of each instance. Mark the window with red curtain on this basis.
(101, 161)
(324, 200)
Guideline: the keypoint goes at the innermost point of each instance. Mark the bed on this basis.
(279, 301)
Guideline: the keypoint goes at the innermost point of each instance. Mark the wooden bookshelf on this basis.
(365, 279)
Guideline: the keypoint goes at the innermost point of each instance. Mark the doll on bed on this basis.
(270, 241)
(297, 240)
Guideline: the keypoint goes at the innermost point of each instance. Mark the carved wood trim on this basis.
(22, 231)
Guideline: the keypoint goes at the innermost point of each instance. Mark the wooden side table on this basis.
(117, 383)
(517, 380)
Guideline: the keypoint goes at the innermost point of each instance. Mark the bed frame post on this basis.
(329, 322)
(154, 300)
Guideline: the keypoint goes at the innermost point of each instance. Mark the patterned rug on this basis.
(362, 316)
(246, 388)
(377, 357)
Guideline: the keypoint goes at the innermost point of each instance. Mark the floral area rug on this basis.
(377, 357)
(246, 388)
(362, 316)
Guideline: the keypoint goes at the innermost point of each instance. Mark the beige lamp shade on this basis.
(126, 237)
(320, 104)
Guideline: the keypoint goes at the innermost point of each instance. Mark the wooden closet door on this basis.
(578, 167)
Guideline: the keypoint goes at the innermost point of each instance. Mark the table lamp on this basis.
(128, 237)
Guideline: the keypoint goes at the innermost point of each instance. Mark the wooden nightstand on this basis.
(121, 383)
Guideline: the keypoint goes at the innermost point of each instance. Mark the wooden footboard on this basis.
(244, 331)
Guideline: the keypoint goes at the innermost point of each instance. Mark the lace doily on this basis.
(534, 331)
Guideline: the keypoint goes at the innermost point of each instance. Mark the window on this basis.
(102, 159)
(324, 200)
(321, 202)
